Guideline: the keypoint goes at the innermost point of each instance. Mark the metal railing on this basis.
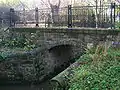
(107, 16)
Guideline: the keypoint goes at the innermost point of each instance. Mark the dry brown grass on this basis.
(100, 52)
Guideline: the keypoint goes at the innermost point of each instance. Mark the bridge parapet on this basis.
(69, 30)
(50, 36)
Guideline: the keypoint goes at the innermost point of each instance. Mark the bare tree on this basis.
(118, 1)
(54, 10)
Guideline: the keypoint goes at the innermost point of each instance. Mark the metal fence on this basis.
(107, 16)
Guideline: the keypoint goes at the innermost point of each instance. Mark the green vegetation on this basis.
(117, 25)
(102, 72)
(11, 43)
(17, 40)
(18, 43)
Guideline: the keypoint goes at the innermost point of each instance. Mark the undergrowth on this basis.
(101, 73)
(17, 42)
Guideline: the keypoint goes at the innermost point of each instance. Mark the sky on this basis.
(37, 3)
(44, 3)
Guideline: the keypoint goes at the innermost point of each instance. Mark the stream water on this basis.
(43, 86)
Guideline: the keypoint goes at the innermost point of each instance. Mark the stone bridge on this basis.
(57, 48)
(75, 37)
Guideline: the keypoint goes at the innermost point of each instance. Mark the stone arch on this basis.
(61, 56)
(73, 42)
(63, 51)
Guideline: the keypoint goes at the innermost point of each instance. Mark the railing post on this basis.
(69, 16)
(119, 17)
(96, 13)
(1, 19)
(112, 15)
(37, 17)
(12, 21)
(48, 21)
(45, 21)
(24, 17)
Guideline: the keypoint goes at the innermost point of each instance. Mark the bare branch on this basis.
(59, 3)
(49, 3)
(118, 1)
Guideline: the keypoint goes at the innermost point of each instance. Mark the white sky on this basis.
(44, 3)
(37, 3)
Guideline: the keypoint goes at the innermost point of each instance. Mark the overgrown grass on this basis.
(101, 73)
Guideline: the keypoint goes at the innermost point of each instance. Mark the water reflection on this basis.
(43, 86)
